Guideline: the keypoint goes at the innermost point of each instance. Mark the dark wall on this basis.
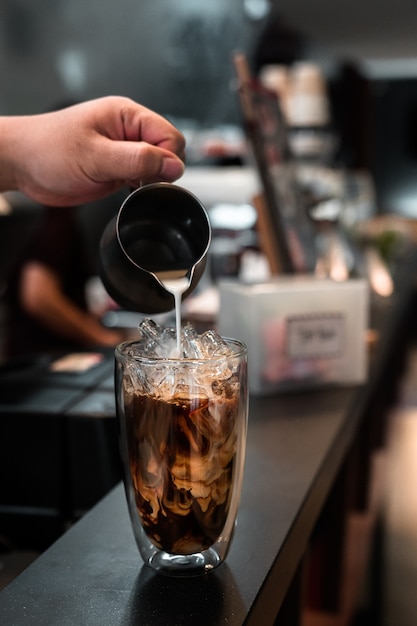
(173, 56)
(395, 145)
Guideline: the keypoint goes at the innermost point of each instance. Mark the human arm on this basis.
(41, 296)
(88, 151)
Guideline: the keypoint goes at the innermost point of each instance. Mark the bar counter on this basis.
(305, 452)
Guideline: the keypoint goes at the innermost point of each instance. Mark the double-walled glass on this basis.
(183, 426)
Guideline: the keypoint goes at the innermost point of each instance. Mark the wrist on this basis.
(12, 152)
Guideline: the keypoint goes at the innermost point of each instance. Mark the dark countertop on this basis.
(94, 575)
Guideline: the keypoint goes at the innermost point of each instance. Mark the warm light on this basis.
(379, 276)
(5, 207)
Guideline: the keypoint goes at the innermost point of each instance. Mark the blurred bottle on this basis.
(308, 115)
(277, 79)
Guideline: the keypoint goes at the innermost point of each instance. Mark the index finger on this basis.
(145, 125)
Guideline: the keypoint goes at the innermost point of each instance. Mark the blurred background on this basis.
(176, 58)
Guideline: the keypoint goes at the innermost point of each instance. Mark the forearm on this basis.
(12, 141)
(67, 320)
(42, 297)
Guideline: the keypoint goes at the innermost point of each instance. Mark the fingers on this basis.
(171, 169)
(142, 124)
(87, 151)
(135, 162)
(144, 146)
(152, 164)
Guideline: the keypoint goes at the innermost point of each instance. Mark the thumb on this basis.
(136, 162)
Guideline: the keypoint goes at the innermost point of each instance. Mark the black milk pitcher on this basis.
(161, 229)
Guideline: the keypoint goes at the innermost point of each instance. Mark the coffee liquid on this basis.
(182, 462)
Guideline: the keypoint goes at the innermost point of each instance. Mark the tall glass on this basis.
(183, 426)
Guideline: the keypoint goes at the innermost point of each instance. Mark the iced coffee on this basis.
(183, 427)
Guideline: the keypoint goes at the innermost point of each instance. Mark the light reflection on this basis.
(72, 67)
(256, 9)
(379, 276)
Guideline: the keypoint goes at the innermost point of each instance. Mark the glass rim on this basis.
(121, 352)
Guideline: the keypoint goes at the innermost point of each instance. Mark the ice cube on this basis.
(167, 345)
(150, 349)
(150, 330)
(190, 342)
(160, 380)
(213, 344)
(165, 385)
(214, 371)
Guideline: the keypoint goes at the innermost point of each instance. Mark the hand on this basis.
(87, 151)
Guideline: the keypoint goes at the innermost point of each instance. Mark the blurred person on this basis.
(46, 291)
(87, 151)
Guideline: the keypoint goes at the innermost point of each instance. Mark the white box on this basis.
(301, 331)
